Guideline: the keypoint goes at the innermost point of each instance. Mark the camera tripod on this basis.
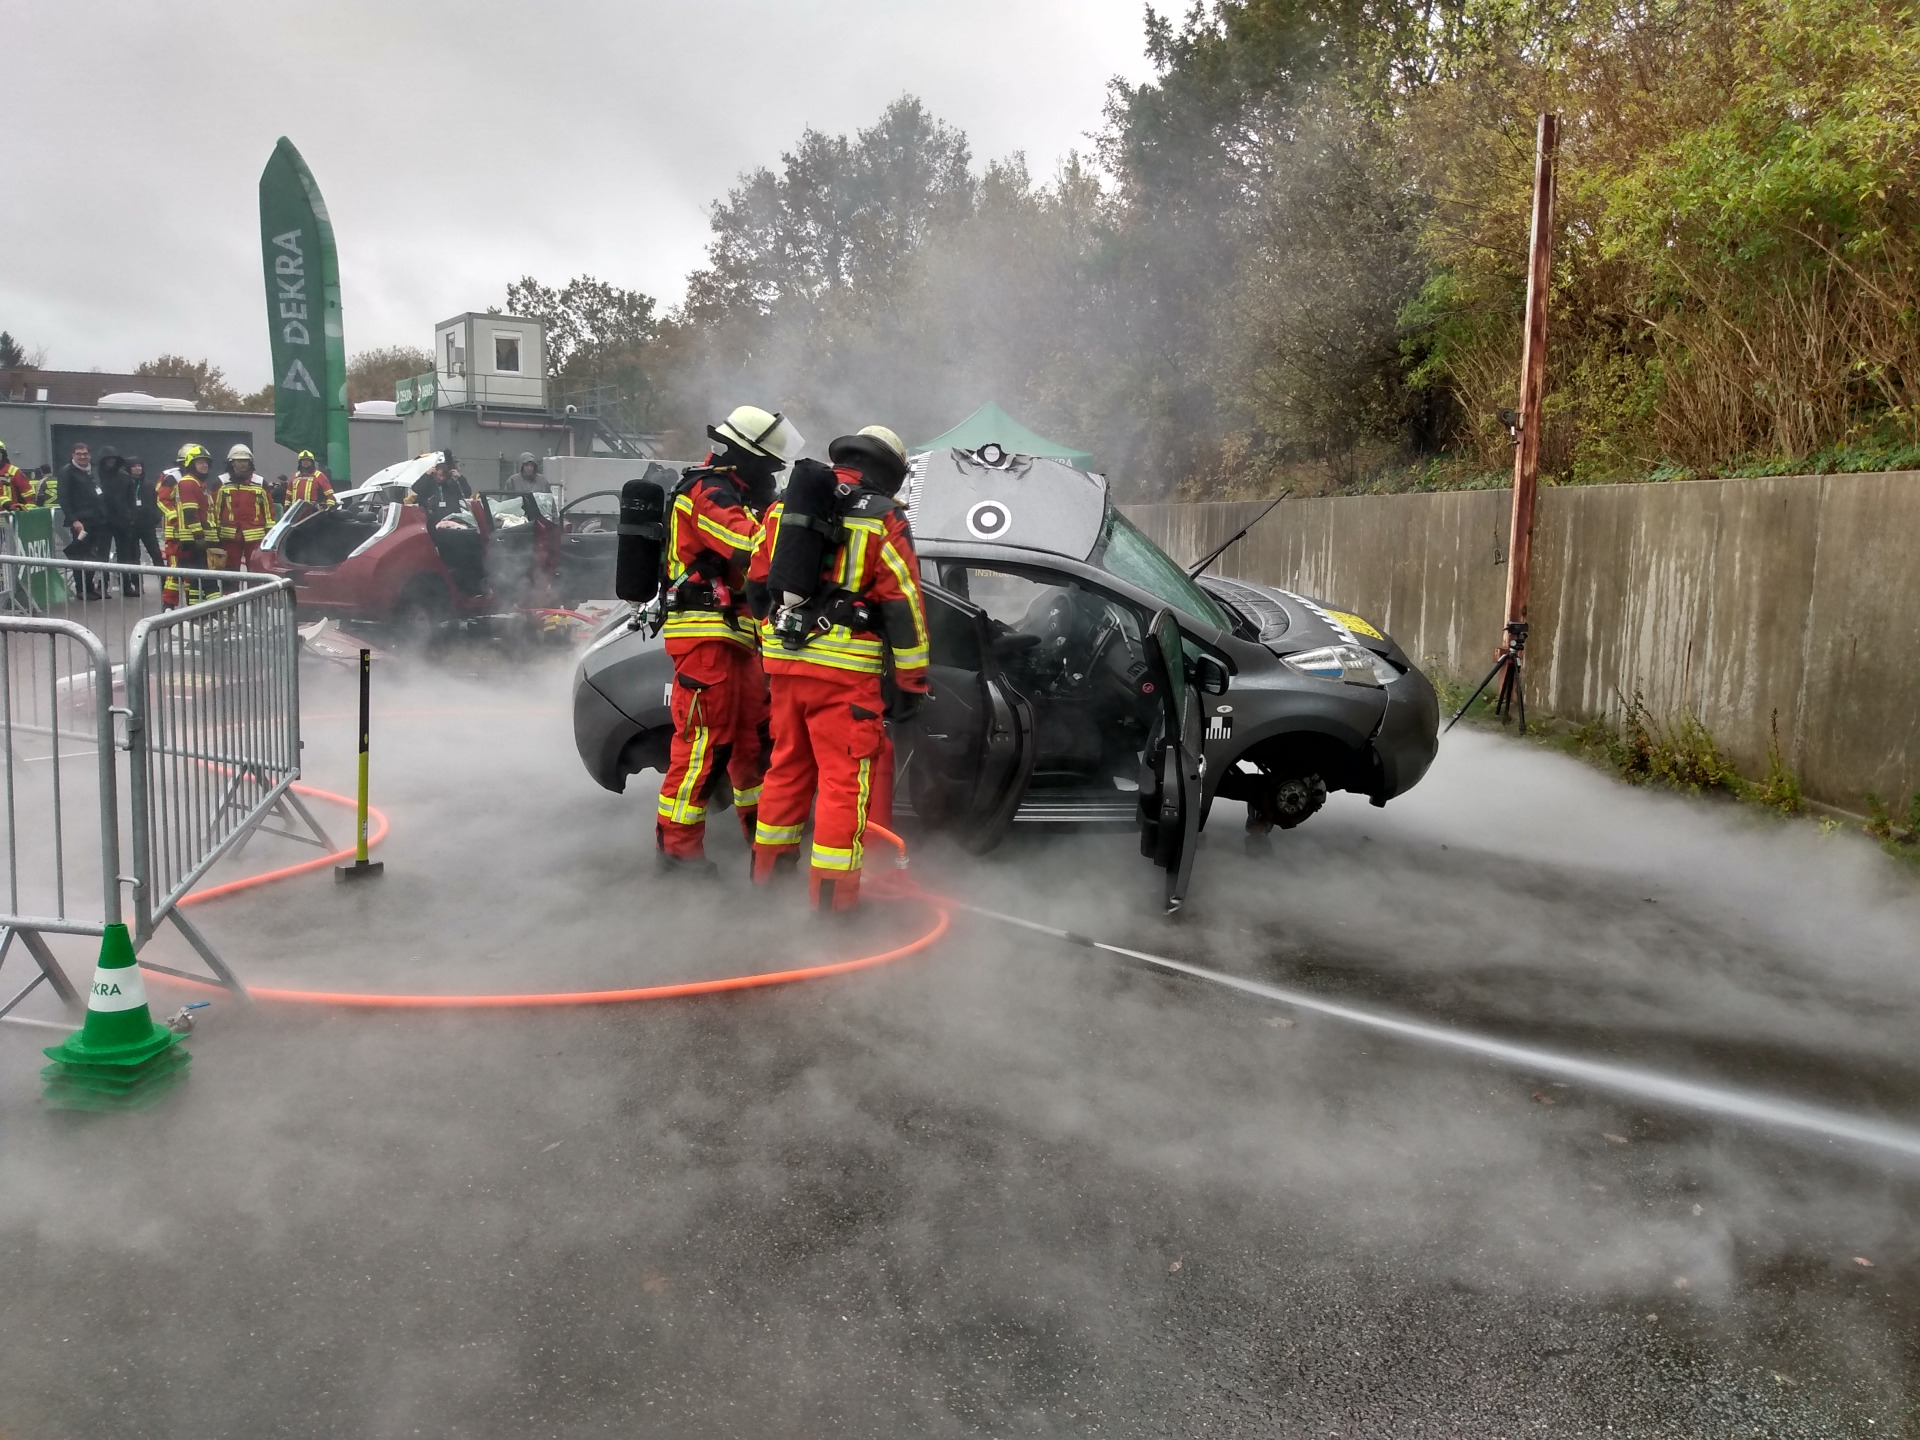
(1513, 693)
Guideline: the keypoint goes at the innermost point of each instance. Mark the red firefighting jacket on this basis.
(242, 511)
(711, 537)
(315, 488)
(186, 517)
(876, 564)
(16, 488)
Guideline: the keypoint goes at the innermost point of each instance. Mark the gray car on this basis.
(1081, 678)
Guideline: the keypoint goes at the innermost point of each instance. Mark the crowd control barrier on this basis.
(171, 737)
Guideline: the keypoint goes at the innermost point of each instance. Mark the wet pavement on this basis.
(1005, 1187)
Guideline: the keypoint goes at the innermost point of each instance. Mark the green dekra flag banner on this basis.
(303, 313)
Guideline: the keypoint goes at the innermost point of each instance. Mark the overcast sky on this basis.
(461, 145)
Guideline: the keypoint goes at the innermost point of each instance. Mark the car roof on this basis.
(404, 473)
(980, 496)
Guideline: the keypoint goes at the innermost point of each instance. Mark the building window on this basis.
(506, 354)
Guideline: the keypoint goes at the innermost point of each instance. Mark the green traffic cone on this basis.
(120, 1059)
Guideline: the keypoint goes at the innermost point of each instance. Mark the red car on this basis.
(373, 557)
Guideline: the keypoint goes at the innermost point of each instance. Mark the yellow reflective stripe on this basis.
(765, 834)
(830, 857)
(747, 797)
(682, 506)
(705, 625)
(684, 806)
(812, 655)
(733, 538)
(860, 812)
(916, 654)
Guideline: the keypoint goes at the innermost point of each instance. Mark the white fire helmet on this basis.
(764, 432)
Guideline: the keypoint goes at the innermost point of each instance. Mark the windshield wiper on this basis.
(1234, 539)
(1243, 624)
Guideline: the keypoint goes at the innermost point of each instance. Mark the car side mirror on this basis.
(1209, 675)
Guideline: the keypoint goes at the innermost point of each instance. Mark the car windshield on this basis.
(1125, 552)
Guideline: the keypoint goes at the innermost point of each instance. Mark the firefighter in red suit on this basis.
(824, 658)
(719, 691)
(242, 510)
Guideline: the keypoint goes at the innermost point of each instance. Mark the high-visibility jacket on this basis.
(242, 510)
(876, 565)
(186, 517)
(163, 489)
(50, 488)
(314, 488)
(16, 487)
(711, 537)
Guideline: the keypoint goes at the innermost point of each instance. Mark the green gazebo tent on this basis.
(992, 425)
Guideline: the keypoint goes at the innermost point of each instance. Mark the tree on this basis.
(260, 402)
(207, 382)
(371, 374)
(13, 355)
(599, 339)
(842, 216)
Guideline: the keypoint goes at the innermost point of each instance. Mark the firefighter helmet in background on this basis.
(189, 453)
(636, 565)
(766, 433)
(239, 452)
(306, 455)
(809, 528)
(879, 453)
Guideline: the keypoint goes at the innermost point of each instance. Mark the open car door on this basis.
(965, 761)
(1173, 763)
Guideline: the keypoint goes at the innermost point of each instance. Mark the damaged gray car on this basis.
(1080, 677)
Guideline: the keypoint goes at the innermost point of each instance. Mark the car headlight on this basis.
(1349, 664)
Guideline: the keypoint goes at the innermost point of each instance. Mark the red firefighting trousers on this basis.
(829, 738)
(176, 590)
(239, 552)
(170, 587)
(719, 725)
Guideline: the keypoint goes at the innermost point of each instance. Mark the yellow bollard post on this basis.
(362, 867)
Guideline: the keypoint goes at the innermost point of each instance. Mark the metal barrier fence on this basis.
(56, 698)
(210, 697)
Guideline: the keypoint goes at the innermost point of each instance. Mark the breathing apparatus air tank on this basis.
(636, 567)
(809, 528)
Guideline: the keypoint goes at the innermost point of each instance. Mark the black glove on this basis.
(905, 705)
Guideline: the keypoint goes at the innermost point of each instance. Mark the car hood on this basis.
(1289, 623)
(1034, 504)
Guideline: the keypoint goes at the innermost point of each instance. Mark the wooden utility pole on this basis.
(1526, 450)
(1533, 374)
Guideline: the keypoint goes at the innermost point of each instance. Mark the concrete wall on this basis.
(1794, 599)
(30, 431)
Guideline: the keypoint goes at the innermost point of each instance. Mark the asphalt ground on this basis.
(1006, 1187)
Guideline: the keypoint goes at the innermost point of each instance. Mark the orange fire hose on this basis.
(680, 990)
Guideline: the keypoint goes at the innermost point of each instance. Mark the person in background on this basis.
(46, 486)
(310, 483)
(242, 510)
(84, 513)
(184, 510)
(441, 494)
(277, 492)
(119, 499)
(528, 480)
(16, 486)
(146, 519)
